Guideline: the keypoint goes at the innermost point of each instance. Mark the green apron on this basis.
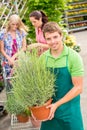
(67, 116)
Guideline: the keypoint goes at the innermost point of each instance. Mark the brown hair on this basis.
(39, 14)
(51, 27)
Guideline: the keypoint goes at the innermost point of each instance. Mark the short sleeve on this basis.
(24, 33)
(21, 33)
(76, 65)
(2, 35)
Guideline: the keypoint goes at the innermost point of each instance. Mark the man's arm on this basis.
(75, 91)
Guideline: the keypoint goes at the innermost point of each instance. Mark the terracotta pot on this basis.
(22, 118)
(41, 112)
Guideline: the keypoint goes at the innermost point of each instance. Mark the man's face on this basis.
(54, 40)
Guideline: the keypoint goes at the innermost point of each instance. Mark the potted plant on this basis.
(33, 84)
(14, 107)
(70, 41)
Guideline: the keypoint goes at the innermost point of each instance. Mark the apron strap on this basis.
(66, 60)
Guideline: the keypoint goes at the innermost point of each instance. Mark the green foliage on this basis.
(4, 15)
(1, 84)
(70, 41)
(14, 107)
(2, 9)
(77, 48)
(53, 8)
(33, 84)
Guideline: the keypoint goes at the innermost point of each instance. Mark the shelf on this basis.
(78, 9)
(77, 29)
(75, 16)
(21, 126)
(78, 2)
(85, 21)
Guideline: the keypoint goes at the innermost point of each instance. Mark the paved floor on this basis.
(81, 38)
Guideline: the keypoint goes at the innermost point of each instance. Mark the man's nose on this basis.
(52, 40)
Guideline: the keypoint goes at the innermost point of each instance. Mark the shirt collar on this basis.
(64, 52)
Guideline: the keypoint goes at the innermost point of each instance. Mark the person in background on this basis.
(67, 66)
(12, 40)
(38, 20)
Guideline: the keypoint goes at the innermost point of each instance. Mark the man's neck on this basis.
(56, 53)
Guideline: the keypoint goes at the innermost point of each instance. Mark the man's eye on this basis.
(48, 39)
(56, 37)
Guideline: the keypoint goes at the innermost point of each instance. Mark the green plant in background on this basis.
(4, 15)
(1, 86)
(53, 8)
(77, 48)
(33, 83)
(70, 41)
(2, 9)
(13, 106)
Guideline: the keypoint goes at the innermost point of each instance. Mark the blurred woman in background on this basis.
(12, 40)
(38, 20)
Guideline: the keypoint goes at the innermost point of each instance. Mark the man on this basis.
(67, 65)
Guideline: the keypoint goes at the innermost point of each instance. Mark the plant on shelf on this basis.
(33, 84)
(14, 107)
(70, 41)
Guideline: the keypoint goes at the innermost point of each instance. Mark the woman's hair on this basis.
(51, 27)
(16, 19)
(39, 14)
